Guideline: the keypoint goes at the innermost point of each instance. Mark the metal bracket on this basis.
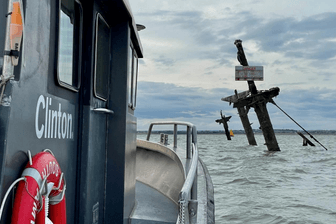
(192, 207)
(30, 158)
(14, 53)
(58, 198)
(164, 139)
(60, 182)
(48, 150)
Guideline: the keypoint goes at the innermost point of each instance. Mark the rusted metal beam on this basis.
(224, 121)
(234, 98)
(306, 141)
(265, 95)
(266, 126)
(243, 111)
(243, 61)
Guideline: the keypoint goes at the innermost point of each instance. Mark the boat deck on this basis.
(152, 206)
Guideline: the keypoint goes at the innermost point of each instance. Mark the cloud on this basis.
(163, 60)
(163, 100)
(157, 101)
(306, 38)
(190, 56)
(308, 103)
(313, 109)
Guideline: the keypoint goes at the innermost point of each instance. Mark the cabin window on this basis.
(102, 58)
(68, 44)
(132, 77)
(129, 75)
(135, 79)
(65, 51)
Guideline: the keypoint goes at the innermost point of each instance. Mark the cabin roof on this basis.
(114, 6)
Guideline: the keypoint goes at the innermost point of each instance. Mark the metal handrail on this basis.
(191, 130)
(188, 193)
(191, 174)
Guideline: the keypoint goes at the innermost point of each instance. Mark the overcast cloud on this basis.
(189, 59)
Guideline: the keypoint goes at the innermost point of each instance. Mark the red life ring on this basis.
(44, 182)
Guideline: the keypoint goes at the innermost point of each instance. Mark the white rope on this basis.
(6, 195)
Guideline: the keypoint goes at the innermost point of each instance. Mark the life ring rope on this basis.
(14, 183)
(9, 190)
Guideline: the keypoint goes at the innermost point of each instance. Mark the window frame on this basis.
(99, 16)
(133, 76)
(130, 75)
(76, 47)
(135, 79)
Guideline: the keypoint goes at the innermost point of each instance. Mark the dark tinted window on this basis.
(102, 64)
(68, 60)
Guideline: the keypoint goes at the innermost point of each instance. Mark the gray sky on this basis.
(189, 60)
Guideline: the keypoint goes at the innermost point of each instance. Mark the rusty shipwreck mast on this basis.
(253, 98)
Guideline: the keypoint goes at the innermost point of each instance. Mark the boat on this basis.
(231, 133)
(68, 135)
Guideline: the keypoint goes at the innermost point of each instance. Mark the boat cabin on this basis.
(73, 92)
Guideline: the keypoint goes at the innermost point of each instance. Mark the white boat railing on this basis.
(188, 193)
(191, 131)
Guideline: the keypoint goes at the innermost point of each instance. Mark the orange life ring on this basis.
(44, 183)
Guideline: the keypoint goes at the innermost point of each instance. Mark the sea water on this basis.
(294, 186)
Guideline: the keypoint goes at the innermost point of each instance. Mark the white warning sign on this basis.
(249, 73)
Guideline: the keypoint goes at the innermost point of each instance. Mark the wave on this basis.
(293, 186)
(297, 170)
(242, 181)
(247, 217)
(325, 160)
(226, 158)
(312, 208)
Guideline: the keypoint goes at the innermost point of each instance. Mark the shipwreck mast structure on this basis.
(224, 121)
(253, 98)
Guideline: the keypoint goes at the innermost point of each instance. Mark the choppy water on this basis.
(294, 186)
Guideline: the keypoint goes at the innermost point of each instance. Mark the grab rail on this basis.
(188, 194)
(191, 130)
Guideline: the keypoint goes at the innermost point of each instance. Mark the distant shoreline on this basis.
(256, 131)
